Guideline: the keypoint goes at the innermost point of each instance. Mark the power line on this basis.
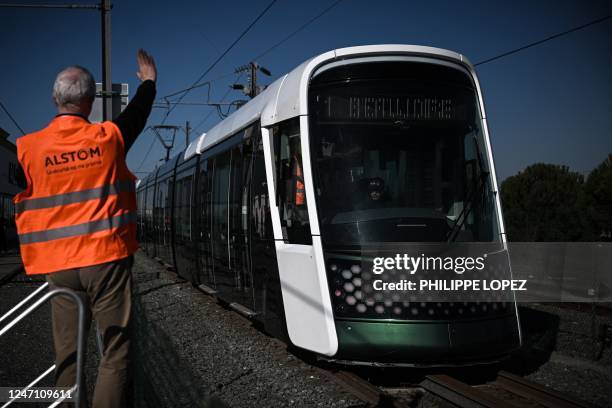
(195, 84)
(159, 106)
(198, 85)
(267, 51)
(55, 6)
(278, 44)
(211, 111)
(146, 154)
(223, 55)
(192, 130)
(12, 118)
(552, 37)
(312, 20)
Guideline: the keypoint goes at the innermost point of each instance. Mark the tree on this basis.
(598, 200)
(544, 203)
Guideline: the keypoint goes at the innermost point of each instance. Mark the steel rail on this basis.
(460, 393)
(537, 392)
(524, 393)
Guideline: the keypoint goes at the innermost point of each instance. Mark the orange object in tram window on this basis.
(79, 207)
(300, 194)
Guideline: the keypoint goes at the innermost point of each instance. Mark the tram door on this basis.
(224, 281)
(205, 196)
(267, 295)
(240, 264)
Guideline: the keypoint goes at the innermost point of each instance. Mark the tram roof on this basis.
(286, 97)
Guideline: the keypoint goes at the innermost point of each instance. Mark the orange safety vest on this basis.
(300, 194)
(79, 208)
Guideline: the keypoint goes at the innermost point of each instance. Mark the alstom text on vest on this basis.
(67, 157)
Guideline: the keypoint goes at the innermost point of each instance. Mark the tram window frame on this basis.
(183, 204)
(261, 221)
(294, 217)
(220, 207)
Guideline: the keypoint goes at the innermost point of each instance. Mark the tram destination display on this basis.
(365, 108)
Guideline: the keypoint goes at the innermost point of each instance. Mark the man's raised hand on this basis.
(146, 66)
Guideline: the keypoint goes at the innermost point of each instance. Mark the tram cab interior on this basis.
(397, 161)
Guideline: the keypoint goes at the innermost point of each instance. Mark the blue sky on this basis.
(551, 103)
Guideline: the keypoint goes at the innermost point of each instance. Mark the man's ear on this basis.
(86, 108)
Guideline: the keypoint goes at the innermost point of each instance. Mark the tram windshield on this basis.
(400, 156)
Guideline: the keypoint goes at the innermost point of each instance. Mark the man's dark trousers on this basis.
(107, 290)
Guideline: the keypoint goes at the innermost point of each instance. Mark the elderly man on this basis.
(76, 220)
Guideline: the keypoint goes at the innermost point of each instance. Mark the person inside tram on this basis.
(297, 200)
(374, 195)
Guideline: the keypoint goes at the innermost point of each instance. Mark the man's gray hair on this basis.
(74, 86)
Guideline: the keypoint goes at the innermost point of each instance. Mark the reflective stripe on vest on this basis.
(75, 197)
(80, 229)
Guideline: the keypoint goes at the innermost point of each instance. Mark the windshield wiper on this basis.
(476, 192)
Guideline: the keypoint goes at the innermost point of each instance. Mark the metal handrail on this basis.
(80, 335)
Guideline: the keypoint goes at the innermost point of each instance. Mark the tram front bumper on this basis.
(426, 342)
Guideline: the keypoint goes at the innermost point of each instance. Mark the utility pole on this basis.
(187, 130)
(107, 84)
(252, 89)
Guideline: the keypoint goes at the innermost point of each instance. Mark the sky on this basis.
(551, 103)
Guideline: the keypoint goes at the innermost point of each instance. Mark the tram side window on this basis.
(290, 187)
(149, 205)
(183, 208)
(158, 210)
(261, 221)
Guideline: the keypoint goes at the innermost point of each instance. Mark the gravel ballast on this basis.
(191, 351)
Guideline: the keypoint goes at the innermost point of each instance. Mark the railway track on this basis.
(374, 396)
(441, 390)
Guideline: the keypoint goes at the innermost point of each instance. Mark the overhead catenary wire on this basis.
(267, 51)
(195, 84)
(52, 6)
(300, 28)
(146, 154)
(200, 123)
(198, 85)
(194, 129)
(11, 118)
(552, 37)
(228, 49)
(278, 44)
